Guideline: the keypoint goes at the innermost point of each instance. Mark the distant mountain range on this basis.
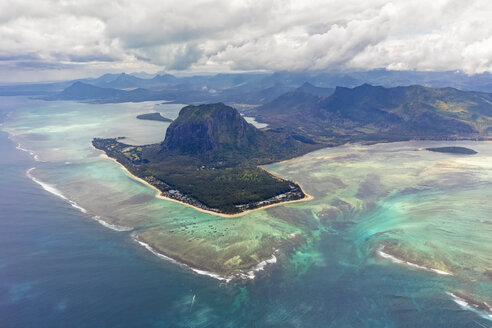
(127, 81)
(86, 92)
(240, 88)
(127, 88)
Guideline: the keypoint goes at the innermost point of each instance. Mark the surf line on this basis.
(170, 259)
(394, 259)
(249, 275)
(30, 152)
(53, 190)
(469, 306)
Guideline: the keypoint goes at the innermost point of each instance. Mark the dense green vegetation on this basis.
(213, 188)
(224, 188)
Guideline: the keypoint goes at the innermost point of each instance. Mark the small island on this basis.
(210, 159)
(154, 117)
(453, 150)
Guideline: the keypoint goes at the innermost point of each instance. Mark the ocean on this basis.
(395, 236)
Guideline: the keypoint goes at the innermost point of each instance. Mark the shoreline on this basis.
(159, 195)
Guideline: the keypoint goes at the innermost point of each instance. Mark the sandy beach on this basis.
(160, 196)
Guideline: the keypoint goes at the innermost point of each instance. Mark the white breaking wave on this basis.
(400, 261)
(471, 307)
(30, 152)
(51, 189)
(259, 267)
(248, 275)
(19, 147)
(167, 258)
(77, 206)
(111, 226)
(46, 186)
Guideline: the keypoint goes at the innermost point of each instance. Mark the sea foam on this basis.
(167, 258)
(30, 152)
(259, 267)
(466, 305)
(111, 226)
(249, 275)
(45, 186)
(394, 259)
(51, 189)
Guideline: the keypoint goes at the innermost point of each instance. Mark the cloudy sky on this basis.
(60, 39)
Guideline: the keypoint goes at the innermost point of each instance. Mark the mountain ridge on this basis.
(374, 113)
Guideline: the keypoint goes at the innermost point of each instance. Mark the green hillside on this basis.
(374, 113)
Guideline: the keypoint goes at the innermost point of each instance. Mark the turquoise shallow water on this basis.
(60, 268)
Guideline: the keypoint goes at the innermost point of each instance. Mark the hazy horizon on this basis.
(182, 74)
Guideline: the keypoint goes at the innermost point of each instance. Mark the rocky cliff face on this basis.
(212, 128)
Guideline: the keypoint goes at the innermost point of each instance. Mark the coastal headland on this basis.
(210, 159)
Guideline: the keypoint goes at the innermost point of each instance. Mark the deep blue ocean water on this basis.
(59, 268)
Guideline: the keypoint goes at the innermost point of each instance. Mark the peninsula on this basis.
(154, 117)
(453, 150)
(210, 159)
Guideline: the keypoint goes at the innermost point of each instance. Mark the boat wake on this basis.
(394, 259)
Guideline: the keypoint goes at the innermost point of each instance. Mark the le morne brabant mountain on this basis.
(210, 157)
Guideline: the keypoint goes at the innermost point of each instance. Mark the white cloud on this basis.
(89, 35)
